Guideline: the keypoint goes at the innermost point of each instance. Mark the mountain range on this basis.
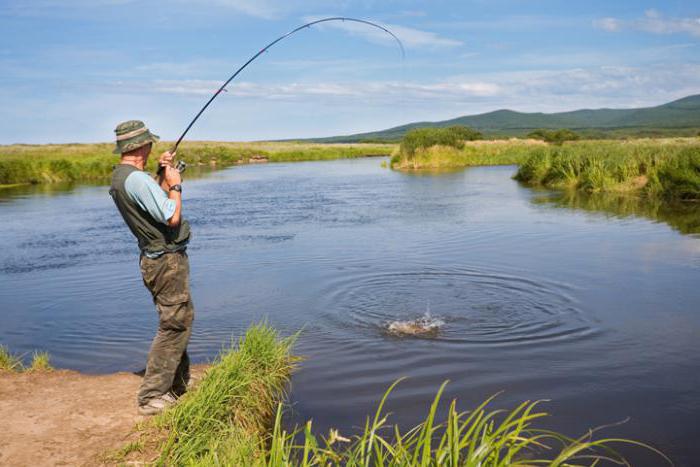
(680, 117)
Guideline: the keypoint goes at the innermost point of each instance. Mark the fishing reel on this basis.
(180, 166)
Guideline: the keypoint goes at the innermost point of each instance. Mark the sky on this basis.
(71, 70)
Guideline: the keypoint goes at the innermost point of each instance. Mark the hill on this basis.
(680, 117)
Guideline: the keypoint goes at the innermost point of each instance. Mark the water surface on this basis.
(542, 296)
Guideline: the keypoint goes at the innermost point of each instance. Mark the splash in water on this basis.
(426, 325)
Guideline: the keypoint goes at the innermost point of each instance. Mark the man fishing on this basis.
(153, 212)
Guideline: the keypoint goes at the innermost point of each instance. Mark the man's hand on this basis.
(166, 159)
(172, 176)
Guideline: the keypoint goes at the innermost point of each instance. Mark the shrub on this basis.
(453, 136)
(554, 136)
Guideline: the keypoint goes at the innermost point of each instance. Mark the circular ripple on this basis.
(476, 307)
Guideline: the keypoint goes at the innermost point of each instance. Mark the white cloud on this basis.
(653, 22)
(608, 24)
(410, 37)
(378, 90)
(266, 9)
(543, 90)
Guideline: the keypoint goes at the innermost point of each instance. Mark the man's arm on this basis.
(164, 207)
(171, 178)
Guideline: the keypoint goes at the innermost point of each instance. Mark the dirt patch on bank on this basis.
(64, 417)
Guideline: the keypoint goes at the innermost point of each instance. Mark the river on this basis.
(591, 305)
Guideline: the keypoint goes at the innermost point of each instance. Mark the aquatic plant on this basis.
(679, 177)
(481, 437)
(669, 168)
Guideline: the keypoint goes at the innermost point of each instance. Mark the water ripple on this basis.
(476, 307)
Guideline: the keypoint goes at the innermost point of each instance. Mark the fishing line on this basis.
(267, 47)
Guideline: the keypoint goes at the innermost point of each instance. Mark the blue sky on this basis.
(70, 70)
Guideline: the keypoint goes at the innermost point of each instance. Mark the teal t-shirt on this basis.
(149, 196)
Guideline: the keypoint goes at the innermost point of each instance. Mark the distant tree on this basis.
(453, 136)
(554, 136)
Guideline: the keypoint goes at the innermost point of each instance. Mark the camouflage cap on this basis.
(132, 135)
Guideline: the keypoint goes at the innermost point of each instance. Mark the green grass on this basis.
(224, 421)
(40, 362)
(479, 438)
(9, 361)
(33, 164)
(439, 157)
(670, 168)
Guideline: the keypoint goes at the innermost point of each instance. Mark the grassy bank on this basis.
(234, 416)
(472, 153)
(24, 164)
(668, 167)
(226, 418)
(656, 167)
(10, 362)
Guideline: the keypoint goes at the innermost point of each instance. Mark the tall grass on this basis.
(224, 421)
(32, 164)
(504, 152)
(9, 361)
(670, 168)
(41, 361)
(479, 438)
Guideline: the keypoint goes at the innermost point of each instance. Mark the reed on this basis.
(479, 438)
(669, 167)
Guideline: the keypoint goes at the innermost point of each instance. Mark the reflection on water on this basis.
(683, 216)
(598, 313)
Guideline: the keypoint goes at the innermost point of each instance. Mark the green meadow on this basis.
(34, 164)
(667, 167)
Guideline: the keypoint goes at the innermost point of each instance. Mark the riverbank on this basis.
(473, 153)
(34, 164)
(232, 415)
(668, 167)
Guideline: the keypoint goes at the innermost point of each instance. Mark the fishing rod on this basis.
(181, 165)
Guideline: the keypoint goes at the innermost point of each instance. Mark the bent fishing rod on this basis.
(181, 165)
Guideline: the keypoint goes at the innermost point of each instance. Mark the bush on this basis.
(554, 136)
(680, 176)
(453, 136)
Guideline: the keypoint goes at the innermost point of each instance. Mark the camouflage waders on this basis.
(168, 368)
